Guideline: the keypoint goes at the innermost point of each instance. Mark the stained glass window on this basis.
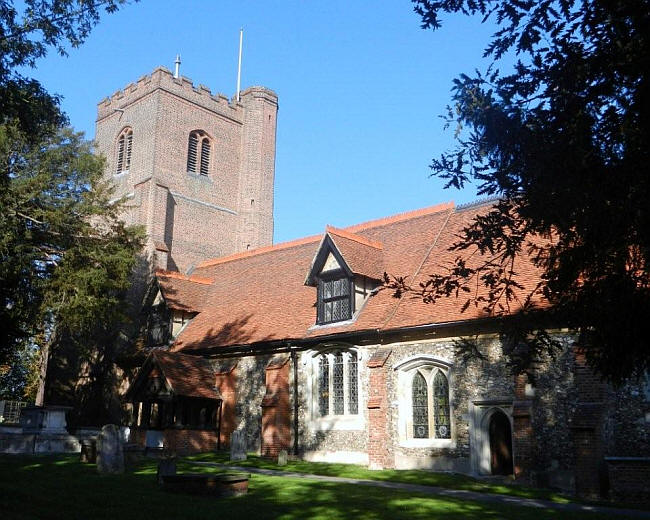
(337, 383)
(323, 385)
(420, 407)
(441, 406)
(353, 396)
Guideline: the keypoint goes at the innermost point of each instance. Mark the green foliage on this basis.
(27, 31)
(65, 257)
(562, 141)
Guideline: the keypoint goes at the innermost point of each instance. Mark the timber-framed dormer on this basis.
(345, 271)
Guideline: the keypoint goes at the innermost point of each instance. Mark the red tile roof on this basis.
(363, 256)
(259, 296)
(190, 376)
(182, 292)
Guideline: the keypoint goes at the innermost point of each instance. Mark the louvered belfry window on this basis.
(124, 147)
(198, 153)
(334, 299)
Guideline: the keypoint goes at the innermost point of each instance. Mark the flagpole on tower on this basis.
(241, 38)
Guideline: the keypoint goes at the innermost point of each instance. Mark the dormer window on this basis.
(345, 271)
(198, 153)
(335, 302)
(124, 146)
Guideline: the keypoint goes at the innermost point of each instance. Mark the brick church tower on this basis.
(196, 169)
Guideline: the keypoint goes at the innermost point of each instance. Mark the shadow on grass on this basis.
(56, 487)
(420, 477)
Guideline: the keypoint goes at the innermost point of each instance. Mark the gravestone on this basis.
(110, 457)
(166, 467)
(282, 458)
(238, 445)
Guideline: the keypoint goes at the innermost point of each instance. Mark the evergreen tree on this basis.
(27, 31)
(562, 141)
(65, 256)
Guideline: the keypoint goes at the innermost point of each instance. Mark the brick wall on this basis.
(190, 441)
(180, 440)
(276, 410)
(226, 385)
(522, 429)
(586, 426)
(236, 197)
(379, 446)
(629, 478)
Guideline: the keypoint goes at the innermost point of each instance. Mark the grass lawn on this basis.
(424, 478)
(39, 487)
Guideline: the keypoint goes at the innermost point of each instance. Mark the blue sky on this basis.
(360, 85)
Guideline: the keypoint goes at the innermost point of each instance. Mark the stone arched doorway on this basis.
(500, 433)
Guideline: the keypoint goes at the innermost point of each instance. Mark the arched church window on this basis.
(424, 397)
(198, 153)
(441, 406)
(124, 147)
(420, 407)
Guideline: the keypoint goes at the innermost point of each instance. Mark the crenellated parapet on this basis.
(163, 79)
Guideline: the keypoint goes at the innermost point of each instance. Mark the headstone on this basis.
(238, 445)
(282, 458)
(89, 451)
(110, 457)
(166, 467)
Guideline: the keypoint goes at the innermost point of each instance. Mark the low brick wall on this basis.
(628, 479)
(180, 440)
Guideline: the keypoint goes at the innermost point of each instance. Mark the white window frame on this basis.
(346, 421)
(428, 366)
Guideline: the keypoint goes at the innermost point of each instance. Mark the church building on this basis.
(299, 346)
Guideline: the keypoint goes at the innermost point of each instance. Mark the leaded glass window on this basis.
(323, 385)
(420, 407)
(337, 383)
(441, 406)
(334, 300)
(353, 386)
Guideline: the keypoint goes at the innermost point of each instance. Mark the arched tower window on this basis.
(198, 152)
(124, 147)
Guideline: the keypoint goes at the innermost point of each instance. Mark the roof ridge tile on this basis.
(352, 236)
(180, 276)
(258, 251)
(399, 217)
